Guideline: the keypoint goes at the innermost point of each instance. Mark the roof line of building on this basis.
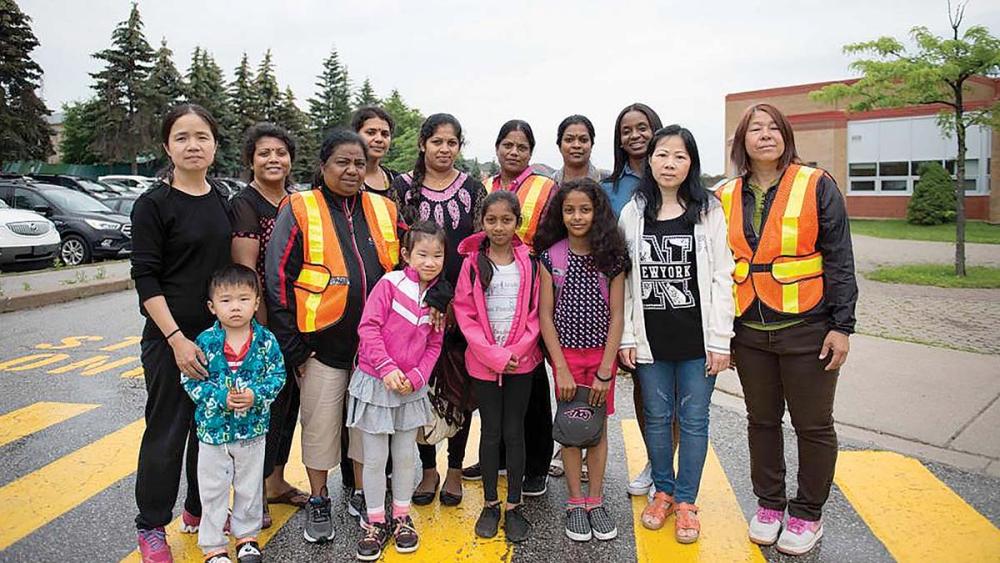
(806, 88)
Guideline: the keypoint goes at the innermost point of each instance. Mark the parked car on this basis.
(94, 188)
(129, 190)
(27, 240)
(138, 184)
(89, 229)
(231, 185)
(121, 205)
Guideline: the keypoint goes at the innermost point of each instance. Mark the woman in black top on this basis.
(180, 235)
(268, 150)
(376, 126)
(435, 190)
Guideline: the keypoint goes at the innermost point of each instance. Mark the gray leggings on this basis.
(376, 449)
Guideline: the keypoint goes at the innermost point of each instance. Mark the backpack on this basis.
(559, 258)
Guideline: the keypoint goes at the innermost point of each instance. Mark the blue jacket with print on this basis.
(262, 371)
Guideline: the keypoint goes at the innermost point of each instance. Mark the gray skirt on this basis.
(376, 410)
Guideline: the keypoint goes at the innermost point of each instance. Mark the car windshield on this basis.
(95, 187)
(3, 204)
(78, 202)
(124, 206)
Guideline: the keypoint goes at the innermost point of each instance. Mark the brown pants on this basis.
(782, 366)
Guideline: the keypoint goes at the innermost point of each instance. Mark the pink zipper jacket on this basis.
(485, 359)
(396, 331)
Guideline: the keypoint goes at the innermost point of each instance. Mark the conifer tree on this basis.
(166, 87)
(332, 105)
(242, 95)
(366, 96)
(24, 132)
(266, 89)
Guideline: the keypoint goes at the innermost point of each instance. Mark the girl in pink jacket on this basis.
(496, 306)
(387, 396)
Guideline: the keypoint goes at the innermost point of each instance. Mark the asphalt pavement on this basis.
(71, 396)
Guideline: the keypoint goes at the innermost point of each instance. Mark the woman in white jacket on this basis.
(678, 318)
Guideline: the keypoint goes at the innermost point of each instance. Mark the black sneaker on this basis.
(577, 524)
(475, 472)
(357, 507)
(319, 523)
(376, 537)
(248, 552)
(515, 526)
(219, 558)
(488, 522)
(535, 486)
(602, 524)
(405, 535)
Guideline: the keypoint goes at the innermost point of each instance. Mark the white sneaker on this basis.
(765, 526)
(799, 536)
(641, 484)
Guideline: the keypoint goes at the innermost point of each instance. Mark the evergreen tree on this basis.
(78, 132)
(166, 87)
(296, 121)
(332, 105)
(24, 132)
(206, 87)
(366, 96)
(403, 152)
(123, 117)
(242, 95)
(267, 91)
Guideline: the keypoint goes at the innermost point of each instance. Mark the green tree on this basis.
(933, 200)
(123, 117)
(78, 132)
(296, 121)
(366, 96)
(242, 95)
(332, 105)
(404, 150)
(166, 87)
(267, 91)
(934, 72)
(206, 87)
(24, 132)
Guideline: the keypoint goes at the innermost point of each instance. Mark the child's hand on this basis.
(406, 388)
(394, 381)
(511, 364)
(240, 401)
(565, 386)
(599, 391)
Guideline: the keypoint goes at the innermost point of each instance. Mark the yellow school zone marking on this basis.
(134, 372)
(723, 526)
(185, 546)
(69, 342)
(914, 514)
(125, 343)
(43, 495)
(94, 365)
(35, 417)
(32, 361)
(447, 533)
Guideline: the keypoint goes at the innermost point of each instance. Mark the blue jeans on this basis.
(681, 389)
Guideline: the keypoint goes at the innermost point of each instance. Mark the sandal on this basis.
(423, 498)
(660, 507)
(292, 496)
(687, 528)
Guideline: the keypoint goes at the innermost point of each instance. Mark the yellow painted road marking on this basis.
(185, 546)
(35, 417)
(447, 533)
(69, 342)
(723, 526)
(94, 365)
(134, 372)
(125, 343)
(914, 514)
(43, 495)
(32, 361)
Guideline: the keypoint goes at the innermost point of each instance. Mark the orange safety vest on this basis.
(786, 270)
(533, 194)
(321, 287)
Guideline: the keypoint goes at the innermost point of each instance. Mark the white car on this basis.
(138, 184)
(26, 239)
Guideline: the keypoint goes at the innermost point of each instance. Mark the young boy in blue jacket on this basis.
(232, 411)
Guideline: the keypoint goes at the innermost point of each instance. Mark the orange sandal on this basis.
(657, 511)
(687, 528)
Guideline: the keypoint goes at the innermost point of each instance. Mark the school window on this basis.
(899, 177)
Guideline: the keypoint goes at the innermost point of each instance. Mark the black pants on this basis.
(284, 415)
(502, 410)
(775, 368)
(538, 443)
(456, 448)
(169, 428)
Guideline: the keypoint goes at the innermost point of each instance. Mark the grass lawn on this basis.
(975, 231)
(940, 275)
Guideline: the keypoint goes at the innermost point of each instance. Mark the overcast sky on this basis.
(487, 62)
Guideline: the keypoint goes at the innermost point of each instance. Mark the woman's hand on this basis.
(437, 320)
(189, 357)
(716, 363)
(839, 345)
(599, 390)
(627, 357)
(565, 386)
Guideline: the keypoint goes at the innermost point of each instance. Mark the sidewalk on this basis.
(921, 400)
(48, 287)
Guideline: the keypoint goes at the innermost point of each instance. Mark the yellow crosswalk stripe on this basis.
(914, 514)
(43, 495)
(185, 546)
(447, 533)
(38, 416)
(723, 526)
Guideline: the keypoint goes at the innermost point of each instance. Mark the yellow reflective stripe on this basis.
(489, 184)
(314, 226)
(790, 219)
(727, 197)
(530, 203)
(792, 269)
(316, 279)
(736, 299)
(385, 226)
(312, 306)
(742, 270)
(790, 298)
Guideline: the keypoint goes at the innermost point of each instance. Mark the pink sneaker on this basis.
(189, 522)
(799, 536)
(153, 546)
(765, 526)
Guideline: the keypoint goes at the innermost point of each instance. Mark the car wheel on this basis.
(74, 251)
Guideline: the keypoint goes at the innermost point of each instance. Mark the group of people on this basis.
(386, 308)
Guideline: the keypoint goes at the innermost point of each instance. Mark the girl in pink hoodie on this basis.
(496, 306)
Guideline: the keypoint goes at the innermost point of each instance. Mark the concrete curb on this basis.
(62, 295)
